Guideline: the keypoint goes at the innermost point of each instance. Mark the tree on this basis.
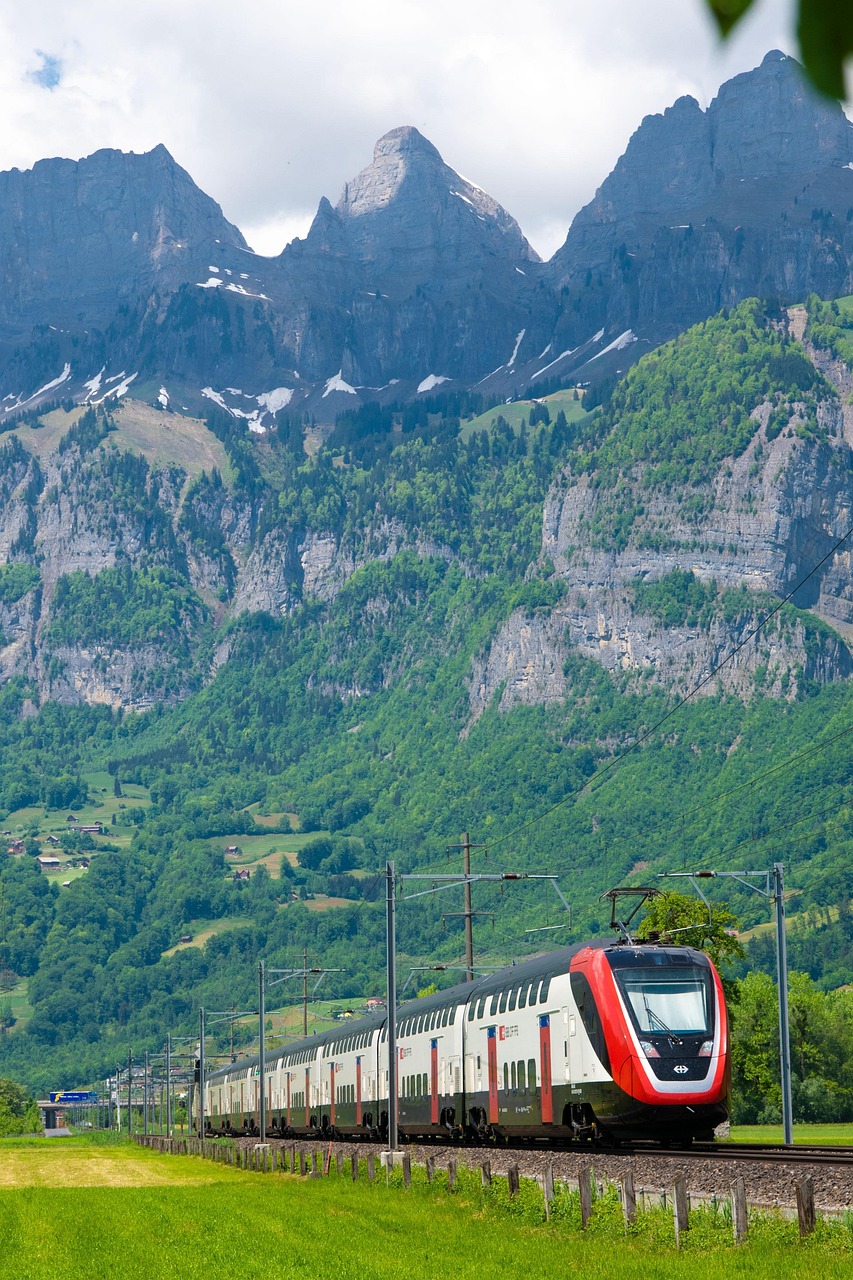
(824, 30)
(686, 921)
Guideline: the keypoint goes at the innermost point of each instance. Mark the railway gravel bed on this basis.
(768, 1183)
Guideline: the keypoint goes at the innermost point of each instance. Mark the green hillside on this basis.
(351, 711)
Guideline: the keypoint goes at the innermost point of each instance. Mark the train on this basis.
(602, 1041)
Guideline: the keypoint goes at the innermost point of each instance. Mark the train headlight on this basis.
(649, 1049)
(706, 1048)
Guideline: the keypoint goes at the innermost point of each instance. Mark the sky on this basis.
(270, 106)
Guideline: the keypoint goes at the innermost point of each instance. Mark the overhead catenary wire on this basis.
(604, 773)
(758, 780)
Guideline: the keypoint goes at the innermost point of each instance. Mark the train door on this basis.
(492, 1046)
(358, 1090)
(433, 1081)
(547, 1103)
(307, 1097)
(288, 1099)
(575, 1038)
(332, 1092)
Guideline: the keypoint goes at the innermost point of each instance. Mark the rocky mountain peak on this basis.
(77, 234)
(408, 201)
(706, 208)
(769, 123)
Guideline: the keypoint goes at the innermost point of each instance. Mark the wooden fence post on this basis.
(512, 1179)
(585, 1188)
(740, 1220)
(805, 1206)
(303, 1162)
(680, 1211)
(629, 1200)
(548, 1189)
(486, 1173)
(371, 1166)
(407, 1169)
(339, 1162)
(451, 1174)
(430, 1168)
(354, 1166)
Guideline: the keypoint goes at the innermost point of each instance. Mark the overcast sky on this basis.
(272, 105)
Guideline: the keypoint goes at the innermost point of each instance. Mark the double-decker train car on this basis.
(603, 1040)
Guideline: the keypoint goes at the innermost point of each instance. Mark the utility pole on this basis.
(391, 971)
(468, 914)
(200, 1073)
(262, 1100)
(129, 1092)
(782, 981)
(305, 992)
(145, 1098)
(168, 1084)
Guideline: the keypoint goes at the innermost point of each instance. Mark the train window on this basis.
(522, 995)
(471, 1011)
(502, 1005)
(531, 1073)
(425, 1085)
(481, 1005)
(513, 1078)
(506, 1077)
(544, 989)
(522, 1080)
(513, 996)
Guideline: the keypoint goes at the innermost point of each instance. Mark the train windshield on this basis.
(667, 1003)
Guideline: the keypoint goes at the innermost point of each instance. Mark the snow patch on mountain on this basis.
(337, 384)
(430, 381)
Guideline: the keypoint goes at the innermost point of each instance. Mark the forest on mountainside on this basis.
(352, 712)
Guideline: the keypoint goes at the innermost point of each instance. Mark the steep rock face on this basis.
(78, 237)
(526, 664)
(416, 271)
(765, 521)
(705, 208)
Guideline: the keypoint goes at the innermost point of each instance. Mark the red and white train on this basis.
(609, 1040)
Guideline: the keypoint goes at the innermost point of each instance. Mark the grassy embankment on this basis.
(78, 1208)
(805, 1135)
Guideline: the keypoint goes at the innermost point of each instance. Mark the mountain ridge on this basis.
(417, 276)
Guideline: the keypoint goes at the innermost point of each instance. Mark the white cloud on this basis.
(270, 107)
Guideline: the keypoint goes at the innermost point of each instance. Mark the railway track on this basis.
(747, 1152)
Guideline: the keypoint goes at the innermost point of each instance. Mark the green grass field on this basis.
(163, 439)
(806, 1135)
(18, 1004)
(101, 807)
(267, 848)
(75, 1209)
(520, 409)
(201, 930)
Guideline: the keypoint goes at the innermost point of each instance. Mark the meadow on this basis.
(805, 1135)
(76, 1208)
